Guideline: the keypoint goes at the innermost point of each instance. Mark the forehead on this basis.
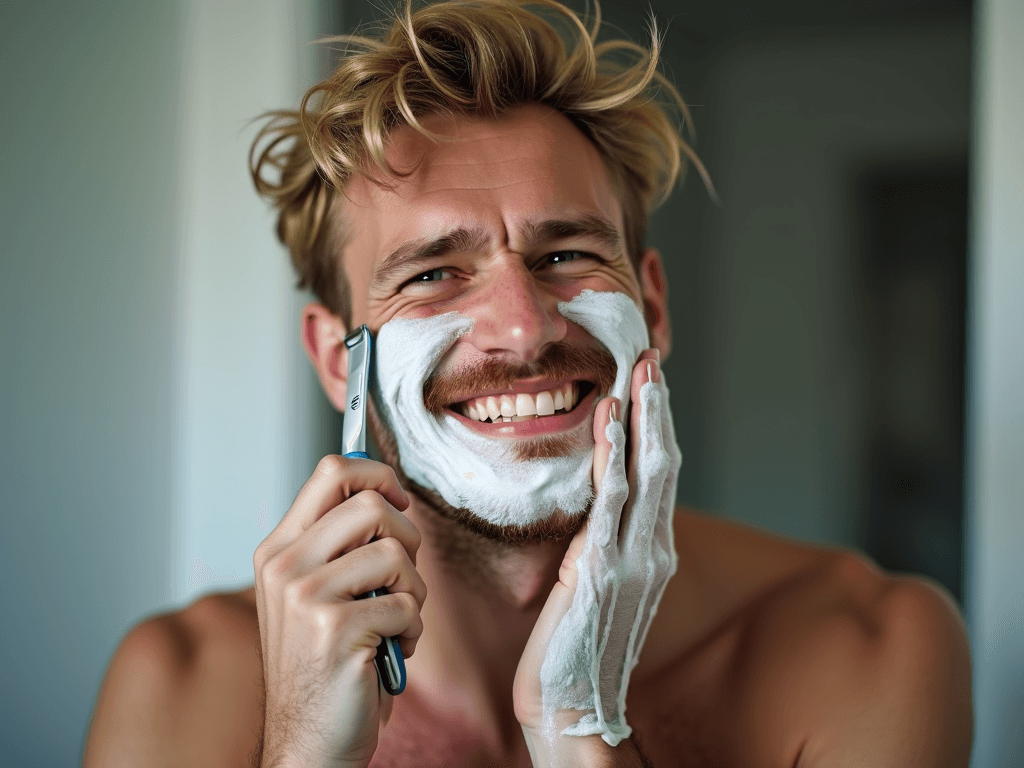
(530, 163)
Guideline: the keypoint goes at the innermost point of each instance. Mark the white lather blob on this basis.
(474, 472)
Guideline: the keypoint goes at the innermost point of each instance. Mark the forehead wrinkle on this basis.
(477, 162)
(440, 190)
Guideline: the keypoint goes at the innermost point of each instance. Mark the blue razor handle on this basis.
(389, 661)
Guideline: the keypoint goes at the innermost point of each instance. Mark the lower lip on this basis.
(542, 425)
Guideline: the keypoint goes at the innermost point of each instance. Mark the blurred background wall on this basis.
(155, 408)
(158, 414)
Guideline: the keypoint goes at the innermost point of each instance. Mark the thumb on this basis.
(558, 602)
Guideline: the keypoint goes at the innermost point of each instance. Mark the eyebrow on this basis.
(464, 240)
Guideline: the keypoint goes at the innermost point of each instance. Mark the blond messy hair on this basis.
(474, 58)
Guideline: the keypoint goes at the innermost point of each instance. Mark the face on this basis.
(499, 225)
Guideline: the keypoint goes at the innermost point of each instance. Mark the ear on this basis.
(323, 336)
(654, 289)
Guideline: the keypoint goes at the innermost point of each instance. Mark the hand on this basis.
(343, 536)
(589, 635)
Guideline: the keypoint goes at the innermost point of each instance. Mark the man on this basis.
(476, 195)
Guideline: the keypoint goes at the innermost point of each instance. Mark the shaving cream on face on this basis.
(474, 472)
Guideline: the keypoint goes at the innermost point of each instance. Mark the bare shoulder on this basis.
(814, 654)
(877, 666)
(180, 688)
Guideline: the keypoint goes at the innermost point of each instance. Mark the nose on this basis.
(515, 313)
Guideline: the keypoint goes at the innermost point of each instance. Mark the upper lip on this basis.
(526, 386)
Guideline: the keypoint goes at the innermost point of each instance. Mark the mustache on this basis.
(560, 360)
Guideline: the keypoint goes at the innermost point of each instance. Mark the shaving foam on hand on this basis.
(621, 578)
(474, 472)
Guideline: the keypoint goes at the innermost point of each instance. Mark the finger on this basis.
(663, 553)
(607, 409)
(334, 480)
(611, 493)
(646, 369)
(649, 467)
(352, 524)
(382, 563)
(369, 621)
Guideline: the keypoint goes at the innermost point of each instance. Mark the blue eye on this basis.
(566, 257)
(429, 277)
(432, 276)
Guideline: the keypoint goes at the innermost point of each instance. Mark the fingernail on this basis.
(613, 412)
(657, 354)
(653, 371)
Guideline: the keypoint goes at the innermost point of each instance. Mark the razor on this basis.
(389, 661)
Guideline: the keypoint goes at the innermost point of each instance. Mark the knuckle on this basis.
(325, 617)
(259, 557)
(275, 568)
(306, 587)
(392, 549)
(661, 462)
(331, 466)
(372, 502)
(408, 604)
(294, 593)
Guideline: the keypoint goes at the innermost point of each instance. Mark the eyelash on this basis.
(418, 281)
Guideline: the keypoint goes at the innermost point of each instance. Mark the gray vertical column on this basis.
(996, 388)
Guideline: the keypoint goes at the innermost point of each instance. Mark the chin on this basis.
(556, 527)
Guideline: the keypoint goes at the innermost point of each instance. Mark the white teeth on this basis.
(545, 404)
(525, 405)
(522, 406)
(493, 411)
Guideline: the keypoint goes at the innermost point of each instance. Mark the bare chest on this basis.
(680, 722)
(686, 718)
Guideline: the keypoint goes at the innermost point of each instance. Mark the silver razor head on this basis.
(353, 431)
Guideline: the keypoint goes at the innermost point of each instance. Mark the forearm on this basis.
(582, 752)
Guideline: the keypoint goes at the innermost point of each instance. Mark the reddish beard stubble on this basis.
(560, 361)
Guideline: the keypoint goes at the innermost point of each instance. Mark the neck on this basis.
(483, 601)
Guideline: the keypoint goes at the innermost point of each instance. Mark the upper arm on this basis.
(899, 689)
(140, 702)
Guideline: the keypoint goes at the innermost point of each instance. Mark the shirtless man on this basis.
(764, 652)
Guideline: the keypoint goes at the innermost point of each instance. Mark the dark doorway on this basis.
(914, 227)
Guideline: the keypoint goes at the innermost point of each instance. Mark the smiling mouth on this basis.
(524, 406)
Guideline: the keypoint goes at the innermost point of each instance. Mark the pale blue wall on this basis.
(89, 94)
(154, 393)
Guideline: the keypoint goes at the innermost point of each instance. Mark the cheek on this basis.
(610, 279)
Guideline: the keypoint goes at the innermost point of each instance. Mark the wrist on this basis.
(551, 749)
